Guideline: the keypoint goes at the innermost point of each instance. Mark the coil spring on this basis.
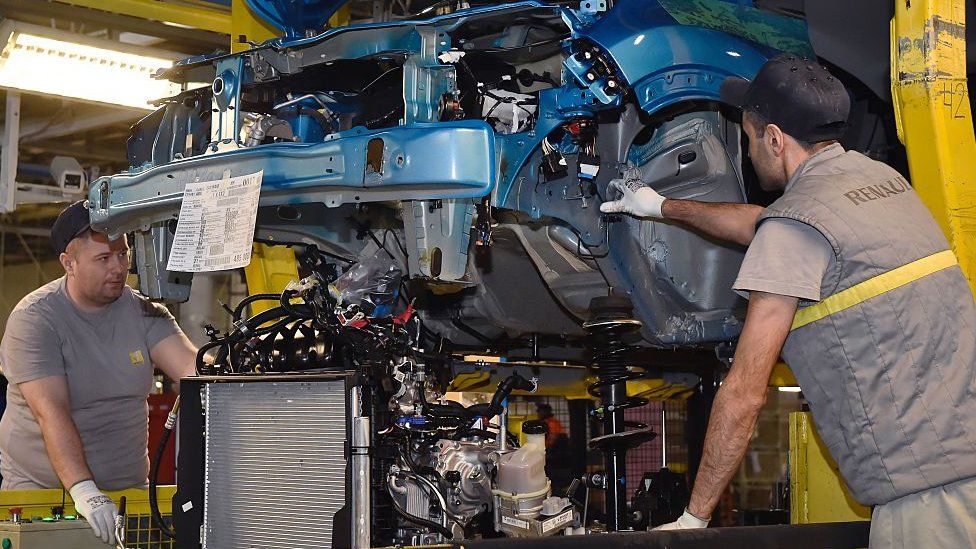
(612, 364)
(611, 367)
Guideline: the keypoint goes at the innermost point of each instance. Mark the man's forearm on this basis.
(731, 424)
(741, 396)
(65, 449)
(724, 221)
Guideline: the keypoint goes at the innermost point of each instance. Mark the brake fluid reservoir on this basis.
(524, 470)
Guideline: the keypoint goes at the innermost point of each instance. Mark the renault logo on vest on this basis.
(890, 187)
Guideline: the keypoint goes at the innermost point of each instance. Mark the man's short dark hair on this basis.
(761, 122)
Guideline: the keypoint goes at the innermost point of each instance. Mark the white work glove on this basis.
(686, 521)
(97, 508)
(636, 199)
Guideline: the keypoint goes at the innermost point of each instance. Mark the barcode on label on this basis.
(557, 521)
(515, 522)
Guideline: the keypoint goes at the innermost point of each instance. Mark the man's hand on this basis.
(686, 521)
(97, 508)
(636, 199)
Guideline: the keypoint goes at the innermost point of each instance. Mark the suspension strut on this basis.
(612, 331)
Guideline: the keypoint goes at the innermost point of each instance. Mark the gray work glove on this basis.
(636, 199)
(686, 521)
(97, 508)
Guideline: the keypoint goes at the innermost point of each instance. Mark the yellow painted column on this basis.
(270, 271)
(817, 491)
(341, 17)
(245, 22)
(928, 84)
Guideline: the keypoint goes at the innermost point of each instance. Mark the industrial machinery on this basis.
(447, 159)
(356, 447)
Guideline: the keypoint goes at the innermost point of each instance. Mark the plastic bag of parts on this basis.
(373, 284)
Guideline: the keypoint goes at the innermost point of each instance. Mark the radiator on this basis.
(274, 463)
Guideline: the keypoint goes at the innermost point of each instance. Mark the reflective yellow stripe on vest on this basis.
(874, 287)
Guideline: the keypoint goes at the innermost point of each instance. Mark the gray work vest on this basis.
(887, 366)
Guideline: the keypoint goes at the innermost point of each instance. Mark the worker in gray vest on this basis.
(850, 279)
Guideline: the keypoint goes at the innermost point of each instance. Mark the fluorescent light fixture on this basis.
(789, 389)
(36, 59)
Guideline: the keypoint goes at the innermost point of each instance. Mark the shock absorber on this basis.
(612, 332)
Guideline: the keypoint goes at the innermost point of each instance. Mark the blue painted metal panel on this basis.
(667, 61)
(664, 61)
(419, 161)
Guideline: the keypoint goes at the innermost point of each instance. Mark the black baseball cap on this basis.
(795, 93)
(72, 222)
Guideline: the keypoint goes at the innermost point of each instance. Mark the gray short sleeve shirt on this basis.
(104, 357)
(787, 257)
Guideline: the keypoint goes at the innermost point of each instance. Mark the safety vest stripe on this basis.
(874, 287)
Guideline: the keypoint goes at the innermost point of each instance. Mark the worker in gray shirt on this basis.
(79, 354)
(850, 279)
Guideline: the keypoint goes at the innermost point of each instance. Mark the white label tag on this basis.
(589, 169)
(561, 519)
(187, 506)
(516, 522)
(216, 226)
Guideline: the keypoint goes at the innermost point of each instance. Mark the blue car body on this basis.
(643, 76)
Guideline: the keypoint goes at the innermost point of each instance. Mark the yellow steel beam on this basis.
(192, 15)
(817, 491)
(928, 83)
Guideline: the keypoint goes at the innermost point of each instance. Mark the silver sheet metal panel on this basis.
(275, 472)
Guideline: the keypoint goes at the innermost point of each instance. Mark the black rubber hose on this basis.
(505, 389)
(253, 329)
(257, 320)
(202, 365)
(454, 410)
(156, 516)
(239, 310)
(276, 326)
(299, 310)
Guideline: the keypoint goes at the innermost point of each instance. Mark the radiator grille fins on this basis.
(275, 470)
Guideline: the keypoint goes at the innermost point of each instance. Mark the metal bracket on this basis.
(152, 252)
(593, 7)
(437, 238)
